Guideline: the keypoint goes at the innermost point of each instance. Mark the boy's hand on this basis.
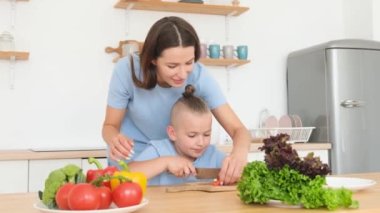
(181, 167)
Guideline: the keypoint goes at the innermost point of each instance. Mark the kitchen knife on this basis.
(207, 173)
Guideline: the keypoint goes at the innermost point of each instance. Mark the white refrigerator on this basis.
(335, 86)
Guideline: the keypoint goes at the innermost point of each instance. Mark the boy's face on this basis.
(191, 133)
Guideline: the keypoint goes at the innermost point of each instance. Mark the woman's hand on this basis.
(180, 167)
(232, 168)
(234, 164)
(121, 147)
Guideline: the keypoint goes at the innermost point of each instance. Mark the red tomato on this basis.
(216, 182)
(84, 196)
(127, 194)
(62, 195)
(105, 197)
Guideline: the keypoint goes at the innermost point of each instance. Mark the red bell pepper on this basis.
(93, 174)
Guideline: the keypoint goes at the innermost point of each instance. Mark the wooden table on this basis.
(199, 202)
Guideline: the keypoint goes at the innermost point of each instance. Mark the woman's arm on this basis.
(233, 164)
(119, 145)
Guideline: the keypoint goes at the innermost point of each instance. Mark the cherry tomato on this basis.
(84, 196)
(105, 197)
(216, 182)
(127, 194)
(62, 195)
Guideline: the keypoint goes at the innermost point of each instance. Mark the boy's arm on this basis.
(151, 167)
(178, 166)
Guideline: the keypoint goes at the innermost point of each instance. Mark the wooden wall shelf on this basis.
(19, 55)
(206, 61)
(155, 5)
(223, 62)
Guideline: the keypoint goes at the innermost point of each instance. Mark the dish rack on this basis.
(297, 134)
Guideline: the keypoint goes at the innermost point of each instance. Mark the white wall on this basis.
(60, 92)
(358, 19)
(376, 19)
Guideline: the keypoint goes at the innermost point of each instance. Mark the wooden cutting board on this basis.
(205, 187)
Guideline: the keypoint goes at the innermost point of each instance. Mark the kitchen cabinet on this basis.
(40, 169)
(14, 176)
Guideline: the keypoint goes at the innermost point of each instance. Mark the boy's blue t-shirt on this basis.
(148, 111)
(211, 158)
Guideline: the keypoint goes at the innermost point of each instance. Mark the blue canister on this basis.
(214, 50)
(242, 52)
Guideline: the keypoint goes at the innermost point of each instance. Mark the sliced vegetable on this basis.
(216, 182)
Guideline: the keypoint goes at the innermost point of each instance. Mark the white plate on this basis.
(271, 122)
(285, 121)
(113, 209)
(354, 184)
(296, 120)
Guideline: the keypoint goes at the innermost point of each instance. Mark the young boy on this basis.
(173, 160)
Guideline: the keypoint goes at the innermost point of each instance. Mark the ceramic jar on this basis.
(7, 42)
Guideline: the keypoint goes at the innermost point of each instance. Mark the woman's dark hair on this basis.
(192, 102)
(165, 33)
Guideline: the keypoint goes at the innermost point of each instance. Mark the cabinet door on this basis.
(14, 176)
(86, 166)
(39, 170)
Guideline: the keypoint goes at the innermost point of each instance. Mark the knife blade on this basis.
(207, 173)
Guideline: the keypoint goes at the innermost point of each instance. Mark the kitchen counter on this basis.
(62, 154)
(191, 201)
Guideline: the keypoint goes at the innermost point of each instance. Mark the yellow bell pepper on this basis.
(136, 177)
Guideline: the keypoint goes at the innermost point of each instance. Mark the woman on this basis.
(144, 88)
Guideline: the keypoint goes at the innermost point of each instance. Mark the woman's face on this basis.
(174, 65)
(191, 133)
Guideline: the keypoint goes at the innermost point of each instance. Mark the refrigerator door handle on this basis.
(351, 103)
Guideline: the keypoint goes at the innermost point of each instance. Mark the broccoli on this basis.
(69, 174)
(71, 170)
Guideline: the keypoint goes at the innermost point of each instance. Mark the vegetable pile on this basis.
(285, 176)
(69, 174)
(68, 188)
